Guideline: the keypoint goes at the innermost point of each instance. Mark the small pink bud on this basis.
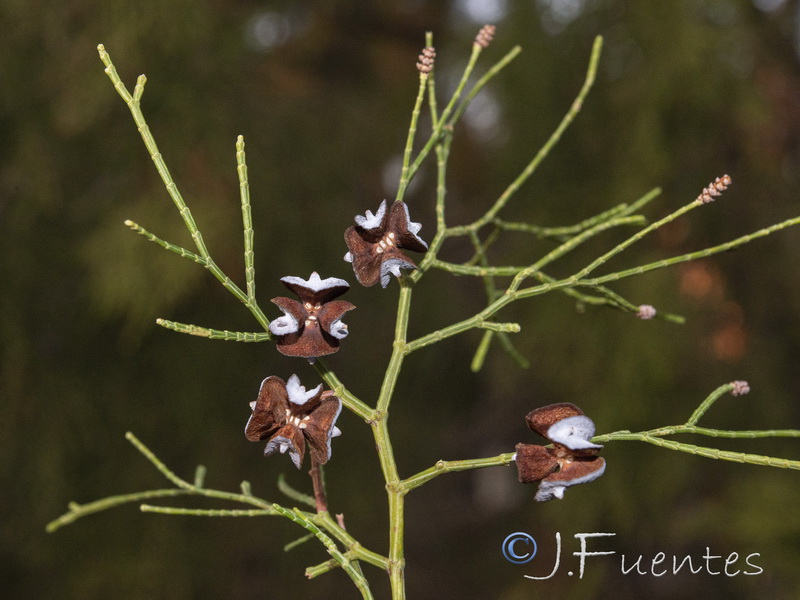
(646, 312)
(740, 388)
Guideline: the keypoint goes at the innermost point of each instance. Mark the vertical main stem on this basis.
(395, 494)
(380, 429)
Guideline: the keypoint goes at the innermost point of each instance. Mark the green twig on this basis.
(213, 512)
(133, 103)
(715, 453)
(451, 466)
(405, 175)
(77, 511)
(183, 488)
(481, 83)
(247, 221)
(349, 400)
(709, 402)
(347, 565)
(544, 150)
(298, 542)
(740, 241)
(656, 436)
(180, 251)
(444, 117)
(215, 334)
(288, 491)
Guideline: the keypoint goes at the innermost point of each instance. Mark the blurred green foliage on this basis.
(322, 92)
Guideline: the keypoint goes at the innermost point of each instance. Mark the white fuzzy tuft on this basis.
(370, 221)
(573, 432)
(338, 329)
(283, 325)
(297, 393)
(315, 284)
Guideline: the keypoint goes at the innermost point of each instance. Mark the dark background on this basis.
(323, 91)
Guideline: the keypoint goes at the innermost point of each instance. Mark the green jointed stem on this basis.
(349, 400)
(491, 293)
(559, 233)
(482, 247)
(405, 176)
(522, 273)
(544, 150)
(431, 82)
(442, 154)
(481, 351)
(383, 444)
(443, 119)
(180, 251)
(715, 453)
(708, 402)
(346, 564)
(500, 327)
(635, 238)
(293, 494)
(576, 241)
(166, 472)
(326, 567)
(199, 476)
(324, 520)
(450, 466)
(215, 334)
(182, 488)
(247, 220)
(740, 241)
(134, 106)
(641, 202)
(133, 103)
(479, 85)
(76, 511)
(723, 433)
(210, 512)
(299, 542)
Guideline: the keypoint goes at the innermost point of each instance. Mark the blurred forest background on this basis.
(322, 92)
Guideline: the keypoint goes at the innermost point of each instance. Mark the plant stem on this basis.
(544, 150)
(318, 484)
(349, 400)
(348, 566)
(443, 119)
(739, 457)
(215, 334)
(405, 175)
(76, 511)
(247, 221)
(450, 466)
